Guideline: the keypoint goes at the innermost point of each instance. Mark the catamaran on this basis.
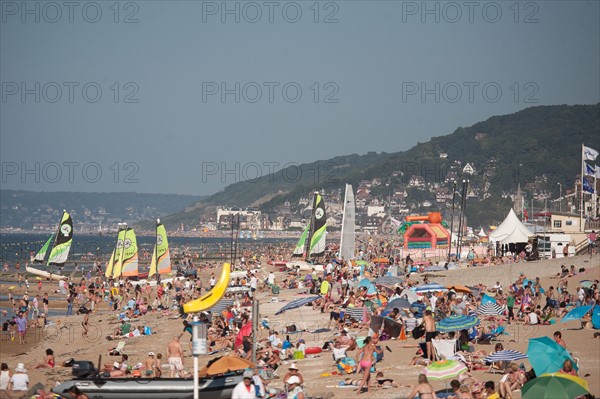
(123, 261)
(312, 240)
(348, 236)
(60, 249)
(161, 258)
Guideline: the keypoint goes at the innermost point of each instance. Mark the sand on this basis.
(66, 341)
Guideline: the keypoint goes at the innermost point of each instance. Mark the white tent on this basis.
(511, 230)
(481, 233)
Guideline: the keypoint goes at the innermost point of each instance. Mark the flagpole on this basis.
(581, 223)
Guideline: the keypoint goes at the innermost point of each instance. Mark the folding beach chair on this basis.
(445, 349)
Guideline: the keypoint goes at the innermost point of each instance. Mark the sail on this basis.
(41, 255)
(62, 245)
(347, 239)
(161, 258)
(319, 219)
(299, 249)
(117, 263)
(110, 264)
(129, 261)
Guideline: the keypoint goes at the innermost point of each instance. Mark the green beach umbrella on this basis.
(555, 386)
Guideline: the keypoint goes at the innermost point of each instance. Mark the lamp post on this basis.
(559, 197)
(198, 348)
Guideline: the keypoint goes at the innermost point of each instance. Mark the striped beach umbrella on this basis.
(490, 309)
(431, 287)
(444, 369)
(457, 323)
(506, 355)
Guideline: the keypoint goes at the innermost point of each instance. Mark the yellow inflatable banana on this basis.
(213, 296)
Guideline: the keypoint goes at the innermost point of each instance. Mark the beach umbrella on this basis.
(546, 356)
(434, 268)
(225, 364)
(358, 314)
(506, 355)
(586, 283)
(245, 331)
(490, 309)
(576, 313)
(297, 303)
(457, 323)
(308, 277)
(387, 280)
(381, 260)
(371, 289)
(596, 317)
(555, 386)
(400, 303)
(431, 287)
(410, 295)
(444, 369)
(361, 262)
(487, 299)
(221, 306)
(459, 288)
(389, 326)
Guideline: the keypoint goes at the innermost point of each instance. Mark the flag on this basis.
(587, 187)
(589, 154)
(589, 171)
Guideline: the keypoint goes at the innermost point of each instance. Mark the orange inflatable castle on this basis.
(425, 232)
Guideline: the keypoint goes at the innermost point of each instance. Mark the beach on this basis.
(64, 336)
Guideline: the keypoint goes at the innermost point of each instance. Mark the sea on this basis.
(87, 248)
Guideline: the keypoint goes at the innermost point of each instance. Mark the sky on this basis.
(186, 97)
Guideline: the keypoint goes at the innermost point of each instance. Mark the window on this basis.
(568, 223)
(557, 224)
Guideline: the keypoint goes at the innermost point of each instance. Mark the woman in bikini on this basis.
(365, 363)
(423, 389)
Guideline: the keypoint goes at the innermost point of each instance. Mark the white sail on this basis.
(348, 237)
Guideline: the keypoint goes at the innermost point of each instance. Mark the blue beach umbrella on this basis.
(596, 317)
(371, 289)
(546, 356)
(576, 313)
(487, 299)
(457, 323)
(297, 303)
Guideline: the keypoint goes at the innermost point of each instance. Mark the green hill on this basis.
(524, 146)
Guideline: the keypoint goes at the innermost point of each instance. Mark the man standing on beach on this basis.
(429, 332)
(175, 357)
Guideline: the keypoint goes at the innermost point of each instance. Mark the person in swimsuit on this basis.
(382, 382)
(48, 362)
(365, 363)
(423, 389)
(430, 332)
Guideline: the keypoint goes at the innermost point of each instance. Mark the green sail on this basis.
(117, 264)
(64, 238)
(129, 261)
(299, 250)
(41, 255)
